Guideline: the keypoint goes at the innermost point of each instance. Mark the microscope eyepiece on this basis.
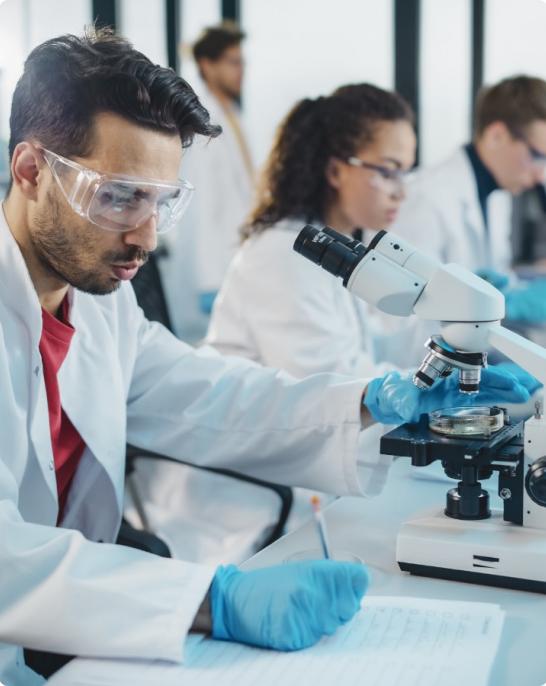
(333, 251)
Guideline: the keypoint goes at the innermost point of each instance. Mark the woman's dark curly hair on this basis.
(68, 80)
(294, 181)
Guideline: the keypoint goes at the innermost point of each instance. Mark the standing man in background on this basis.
(222, 172)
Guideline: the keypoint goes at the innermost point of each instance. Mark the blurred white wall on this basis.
(195, 16)
(23, 25)
(299, 48)
(444, 77)
(306, 48)
(515, 38)
(143, 23)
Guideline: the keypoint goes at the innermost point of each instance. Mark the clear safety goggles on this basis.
(117, 202)
(392, 181)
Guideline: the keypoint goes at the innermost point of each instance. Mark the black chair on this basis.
(151, 298)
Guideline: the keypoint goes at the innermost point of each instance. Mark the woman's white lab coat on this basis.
(125, 379)
(277, 308)
(442, 217)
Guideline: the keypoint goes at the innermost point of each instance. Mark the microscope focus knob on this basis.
(535, 481)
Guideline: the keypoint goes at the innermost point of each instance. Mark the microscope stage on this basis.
(488, 551)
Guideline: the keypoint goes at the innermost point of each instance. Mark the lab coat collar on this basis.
(473, 216)
(18, 291)
(19, 296)
(102, 430)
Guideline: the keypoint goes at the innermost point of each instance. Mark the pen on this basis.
(321, 526)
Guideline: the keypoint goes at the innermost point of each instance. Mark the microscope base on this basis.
(491, 551)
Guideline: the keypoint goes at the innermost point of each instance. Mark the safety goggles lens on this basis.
(120, 206)
(122, 203)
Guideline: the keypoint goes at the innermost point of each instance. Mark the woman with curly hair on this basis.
(338, 161)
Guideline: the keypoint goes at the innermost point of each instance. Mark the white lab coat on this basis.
(442, 217)
(277, 308)
(281, 310)
(125, 379)
(202, 246)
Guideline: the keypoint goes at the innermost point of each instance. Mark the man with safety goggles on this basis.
(97, 135)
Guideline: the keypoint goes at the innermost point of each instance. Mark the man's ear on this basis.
(333, 172)
(206, 68)
(26, 164)
(498, 134)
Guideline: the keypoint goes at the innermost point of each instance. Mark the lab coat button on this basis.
(51, 464)
(37, 370)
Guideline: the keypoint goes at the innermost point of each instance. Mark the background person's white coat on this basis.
(280, 309)
(201, 247)
(125, 379)
(442, 217)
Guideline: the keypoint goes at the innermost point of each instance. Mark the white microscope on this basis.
(466, 541)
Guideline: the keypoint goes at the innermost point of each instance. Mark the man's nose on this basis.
(145, 235)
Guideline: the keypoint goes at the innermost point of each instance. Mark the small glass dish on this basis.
(467, 421)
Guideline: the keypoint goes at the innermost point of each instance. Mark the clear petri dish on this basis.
(467, 421)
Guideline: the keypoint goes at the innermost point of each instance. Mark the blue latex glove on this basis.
(531, 383)
(495, 278)
(287, 607)
(206, 301)
(527, 304)
(394, 399)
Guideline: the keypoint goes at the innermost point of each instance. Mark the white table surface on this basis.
(368, 528)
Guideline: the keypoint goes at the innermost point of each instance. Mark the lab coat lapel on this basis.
(472, 216)
(499, 208)
(92, 389)
(23, 326)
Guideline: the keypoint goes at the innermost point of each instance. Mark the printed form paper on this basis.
(393, 641)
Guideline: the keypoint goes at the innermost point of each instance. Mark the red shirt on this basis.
(66, 442)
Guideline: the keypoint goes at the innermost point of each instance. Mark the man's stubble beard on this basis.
(54, 244)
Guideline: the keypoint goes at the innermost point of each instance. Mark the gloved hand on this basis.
(495, 278)
(394, 399)
(525, 379)
(206, 301)
(527, 304)
(286, 607)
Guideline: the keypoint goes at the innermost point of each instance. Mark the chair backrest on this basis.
(149, 291)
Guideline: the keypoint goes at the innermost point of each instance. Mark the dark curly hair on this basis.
(294, 180)
(69, 79)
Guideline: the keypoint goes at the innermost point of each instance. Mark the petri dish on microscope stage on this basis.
(467, 421)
